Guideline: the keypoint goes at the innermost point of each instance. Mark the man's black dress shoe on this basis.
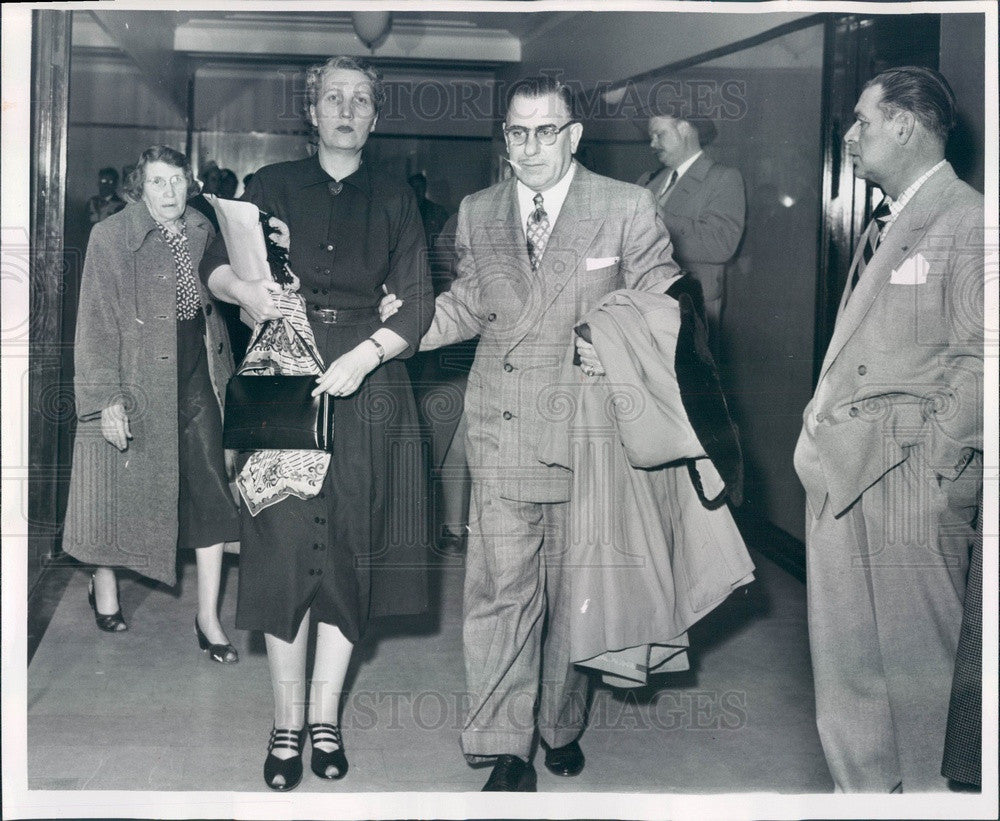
(567, 760)
(511, 774)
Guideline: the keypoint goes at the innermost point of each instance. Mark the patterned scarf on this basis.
(272, 475)
(188, 301)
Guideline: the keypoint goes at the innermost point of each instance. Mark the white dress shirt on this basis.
(897, 205)
(552, 200)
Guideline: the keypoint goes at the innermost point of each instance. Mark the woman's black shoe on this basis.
(327, 764)
(288, 770)
(222, 653)
(114, 623)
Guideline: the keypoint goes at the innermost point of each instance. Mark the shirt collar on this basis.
(684, 166)
(553, 199)
(897, 205)
(359, 179)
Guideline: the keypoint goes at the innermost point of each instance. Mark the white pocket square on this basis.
(593, 263)
(913, 271)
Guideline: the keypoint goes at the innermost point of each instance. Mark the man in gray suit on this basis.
(535, 253)
(701, 202)
(890, 453)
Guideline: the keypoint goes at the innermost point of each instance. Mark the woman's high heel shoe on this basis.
(114, 623)
(289, 770)
(330, 764)
(222, 653)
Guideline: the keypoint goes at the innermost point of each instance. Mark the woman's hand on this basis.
(388, 305)
(256, 299)
(115, 426)
(589, 363)
(280, 235)
(345, 374)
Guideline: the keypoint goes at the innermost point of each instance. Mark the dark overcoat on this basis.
(122, 508)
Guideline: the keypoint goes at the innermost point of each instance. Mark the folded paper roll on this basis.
(239, 223)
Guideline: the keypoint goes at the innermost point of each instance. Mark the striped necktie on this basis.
(668, 185)
(537, 233)
(873, 236)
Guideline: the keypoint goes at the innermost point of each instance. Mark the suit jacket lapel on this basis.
(505, 235)
(689, 184)
(576, 229)
(902, 236)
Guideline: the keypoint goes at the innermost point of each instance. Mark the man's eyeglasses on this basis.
(160, 184)
(545, 134)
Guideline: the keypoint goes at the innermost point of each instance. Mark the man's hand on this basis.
(388, 305)
(344, 375)
(256, 299)
(589, 363)
(115, 425)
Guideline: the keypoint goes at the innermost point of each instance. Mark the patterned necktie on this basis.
(873, 236)
(537, 233)
(668, 185)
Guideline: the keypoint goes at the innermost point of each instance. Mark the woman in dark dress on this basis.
(152, 361)
(358, 547)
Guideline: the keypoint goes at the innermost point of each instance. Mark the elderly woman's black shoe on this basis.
(113, 623)
(330, 764)
(288, 770)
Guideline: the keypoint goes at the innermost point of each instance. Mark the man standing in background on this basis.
(702, 203)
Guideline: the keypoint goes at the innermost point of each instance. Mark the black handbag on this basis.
(277, 412)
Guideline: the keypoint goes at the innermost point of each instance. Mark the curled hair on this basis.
(314, 78)
(923, 92)
(158, 153)
(540, 86)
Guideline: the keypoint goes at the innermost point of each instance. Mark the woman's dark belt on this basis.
(341, 316)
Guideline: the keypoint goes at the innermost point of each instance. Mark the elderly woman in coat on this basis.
(152, 360)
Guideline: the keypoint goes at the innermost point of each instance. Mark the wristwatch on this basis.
(378, 349)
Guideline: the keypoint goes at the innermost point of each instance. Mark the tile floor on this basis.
(145, 710)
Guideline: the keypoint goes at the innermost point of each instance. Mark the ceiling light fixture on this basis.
(371, 26)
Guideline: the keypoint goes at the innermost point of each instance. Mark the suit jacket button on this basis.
(220, 347)
(507, 415)
(508, 367)
(491, 317)
(862, 370)
(329, 247)
(208, 310)
(853, 412)
(312, 572)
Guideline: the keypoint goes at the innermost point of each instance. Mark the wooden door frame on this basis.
(49, 403)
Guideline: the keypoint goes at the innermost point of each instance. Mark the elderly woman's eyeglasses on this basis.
(545, 134)
(160, 184)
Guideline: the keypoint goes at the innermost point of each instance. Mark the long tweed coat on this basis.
(122, 508)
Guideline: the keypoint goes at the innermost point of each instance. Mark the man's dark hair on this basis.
(540, 86)
(923, 92)
(109, 172)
